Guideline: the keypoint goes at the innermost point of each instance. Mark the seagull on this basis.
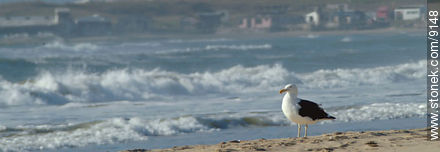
(300, 111)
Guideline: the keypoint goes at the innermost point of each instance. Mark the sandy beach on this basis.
(390, 140)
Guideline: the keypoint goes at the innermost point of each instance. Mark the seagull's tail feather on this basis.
(330, 117)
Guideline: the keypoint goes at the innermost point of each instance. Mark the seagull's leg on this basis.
(299, 130)
(305, 130)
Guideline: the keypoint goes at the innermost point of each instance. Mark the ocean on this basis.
(160, 93)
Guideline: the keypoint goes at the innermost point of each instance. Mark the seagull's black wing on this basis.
(312, 110)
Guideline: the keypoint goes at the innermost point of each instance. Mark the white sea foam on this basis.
(311, 36)
(381, 111)
(53, 49)
(241, 47)
(326, 78)
(199, 40)
(73, 47)
(101, 132)
(56, 49)
(140, 44)
(114, 130)
(238, 47)
(2, 128)
(346, 39)
(138, 84)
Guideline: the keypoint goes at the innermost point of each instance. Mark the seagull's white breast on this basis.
(290, 109)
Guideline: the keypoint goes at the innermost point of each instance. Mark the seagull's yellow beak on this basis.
(282, 90)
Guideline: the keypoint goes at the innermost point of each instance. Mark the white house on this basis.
(407, 13)
(312, 18)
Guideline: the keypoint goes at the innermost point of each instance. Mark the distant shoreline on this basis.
(146, 36)
(407, 140)
(241, 35)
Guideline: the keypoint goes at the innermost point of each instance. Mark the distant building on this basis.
(64, 21)
(15, 21)
(93, 25)
(256, 23)
(312, 18)
(350, 19)
(210, 21)
(63, 24)
(287, 22)
(382, 14)
(337, 7)
(188, 24)
(273, 10)
(337, 16)
(132, 24)
(63, 16)
(26, 24)
(408, 13)
(372, 16)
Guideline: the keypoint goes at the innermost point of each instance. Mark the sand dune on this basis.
(412, 140)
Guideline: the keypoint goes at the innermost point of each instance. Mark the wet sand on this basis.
(408, 140)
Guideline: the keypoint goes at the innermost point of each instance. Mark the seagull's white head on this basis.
(291, 89)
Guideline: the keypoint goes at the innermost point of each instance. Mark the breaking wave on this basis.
(74, 47)
(139, 84)
(114, 130)
(325, 78)
(381, 111)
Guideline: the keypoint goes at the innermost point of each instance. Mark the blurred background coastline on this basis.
(86, 20)
(110, 75)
